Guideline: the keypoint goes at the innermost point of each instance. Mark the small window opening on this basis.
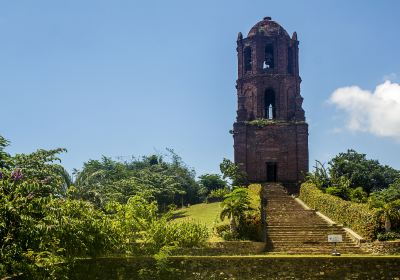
(247, 59)
(290, 61)
(269, 99)
(269, 57)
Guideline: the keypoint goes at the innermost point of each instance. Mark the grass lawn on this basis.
(203, 213)
(208, 213)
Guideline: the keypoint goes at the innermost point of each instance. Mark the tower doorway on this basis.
(272, 171)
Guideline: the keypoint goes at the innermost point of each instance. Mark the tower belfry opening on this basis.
(269, 106)
(269, 57)
(268, 87)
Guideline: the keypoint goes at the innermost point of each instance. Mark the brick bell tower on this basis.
(270, 133)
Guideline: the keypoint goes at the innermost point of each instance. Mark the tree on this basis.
(168, 182)
(5, 158)
(362, 172)
(43, 226)
(212, 182)
(232, 171)
(388, 201)
(234, 206)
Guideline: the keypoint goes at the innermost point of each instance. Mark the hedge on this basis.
(359, 217)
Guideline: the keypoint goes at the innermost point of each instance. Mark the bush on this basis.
(388, 236)
(217, 195)
(249, 223)
(162, 233)
(250, 226)
(358, 195)
(357, 216)
(335, 191)
(219, 229)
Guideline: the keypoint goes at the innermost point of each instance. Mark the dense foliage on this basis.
(212, 182)
(168, 182)
(217, 195)
(232, 172)
(353, 177)
(44, 221)
(362, 172)
(242, 207)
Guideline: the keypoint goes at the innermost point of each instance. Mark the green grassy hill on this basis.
(208, 213)
(203, 213)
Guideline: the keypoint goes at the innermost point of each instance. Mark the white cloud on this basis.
(375, 112)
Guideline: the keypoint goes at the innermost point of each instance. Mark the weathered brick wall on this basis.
(285, 143)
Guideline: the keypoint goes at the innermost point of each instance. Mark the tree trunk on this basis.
(388, 224)
(232, 225)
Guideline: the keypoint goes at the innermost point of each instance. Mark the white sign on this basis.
(334, 238)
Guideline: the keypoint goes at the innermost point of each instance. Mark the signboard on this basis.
(334, 238)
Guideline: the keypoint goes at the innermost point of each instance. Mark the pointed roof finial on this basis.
(294, 36)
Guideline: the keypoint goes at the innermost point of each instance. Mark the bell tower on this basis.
(270, 133)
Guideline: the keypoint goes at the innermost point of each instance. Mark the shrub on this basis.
(219, 229)
(388, 236)
(250, 226)
(358, 195)
(249, 222)
(357, 216)
(217, 195)
(162, 233)
(336, 191)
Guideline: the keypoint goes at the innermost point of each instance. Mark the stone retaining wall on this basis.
(382, 247)
(226, 248)
(243, 268)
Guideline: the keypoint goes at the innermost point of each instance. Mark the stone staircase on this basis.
(292, 229)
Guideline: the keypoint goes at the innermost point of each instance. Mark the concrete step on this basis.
(292, 229)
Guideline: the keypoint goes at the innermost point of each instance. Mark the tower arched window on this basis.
(247, 59)
(290, 61)
(269, 104)
(269, 57)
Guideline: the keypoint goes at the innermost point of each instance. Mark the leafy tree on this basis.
(42, 224)
(388, 201)
(320, 176)
(212, 182)
(217, 195)
(232, 171)
(169, 182)
(234, 206)
(362, 172)
(5, 158)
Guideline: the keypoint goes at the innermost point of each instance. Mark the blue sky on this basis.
(123, 78)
